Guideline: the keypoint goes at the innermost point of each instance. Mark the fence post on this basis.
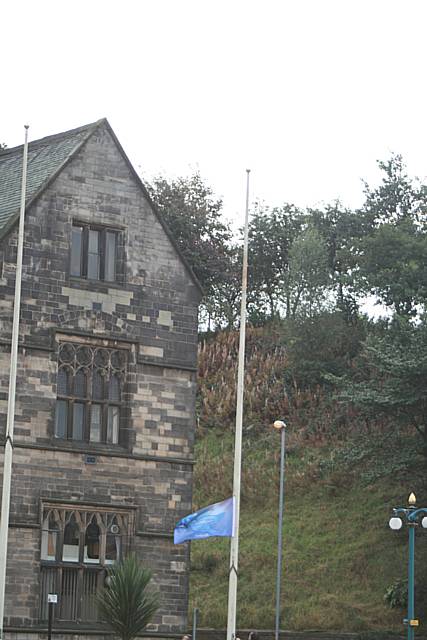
(195, 616)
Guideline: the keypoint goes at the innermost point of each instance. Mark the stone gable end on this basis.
(124, 456)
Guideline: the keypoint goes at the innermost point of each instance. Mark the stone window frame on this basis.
(103, 230)
(83, 362)
(77, 580)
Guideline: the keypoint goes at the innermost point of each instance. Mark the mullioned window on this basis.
(77, 546)
(90, 387)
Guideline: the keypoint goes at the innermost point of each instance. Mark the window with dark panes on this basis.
(89, 392)
(77, 545)
(110, 256)
(94, 253)
(76, 251)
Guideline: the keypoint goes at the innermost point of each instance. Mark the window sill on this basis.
(103, 285)
(92, 448)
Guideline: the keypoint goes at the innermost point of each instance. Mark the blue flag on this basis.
(215, 520)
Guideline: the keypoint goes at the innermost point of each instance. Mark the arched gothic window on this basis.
(50, 532)
(89, 392)
(77, 546)
(113, 541)
(92, 542)
(71, 545)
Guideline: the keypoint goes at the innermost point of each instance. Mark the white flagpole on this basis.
(234, 548)
(8, 446)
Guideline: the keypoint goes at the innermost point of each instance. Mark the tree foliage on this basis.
(341, 230)
(319, 346)
(194, 217)
(397, 198)
(303, 262)
(307, 286)
(390, 378)
(221, 308)
(393, 266)
(392, 254)
(271, 234)
(309, 273)
(126, 604)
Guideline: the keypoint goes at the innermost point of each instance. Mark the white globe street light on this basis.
(411, 516)
(396, 523)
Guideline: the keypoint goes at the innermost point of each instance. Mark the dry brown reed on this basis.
(312, 412)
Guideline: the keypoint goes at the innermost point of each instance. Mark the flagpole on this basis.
(234, 548)
(8, 445)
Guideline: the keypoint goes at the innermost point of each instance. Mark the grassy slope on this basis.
(339, 554)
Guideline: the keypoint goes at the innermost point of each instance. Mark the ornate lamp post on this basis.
(412, 516)
(280, 426)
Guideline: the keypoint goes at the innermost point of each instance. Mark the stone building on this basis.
(106, 383)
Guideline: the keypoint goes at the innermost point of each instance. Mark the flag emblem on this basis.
(215, 520)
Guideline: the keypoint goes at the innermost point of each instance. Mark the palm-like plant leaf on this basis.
(126, 604)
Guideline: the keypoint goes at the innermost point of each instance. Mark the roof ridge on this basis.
(53, 137)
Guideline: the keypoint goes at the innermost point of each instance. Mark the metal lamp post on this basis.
(280, 426)
(411, 515)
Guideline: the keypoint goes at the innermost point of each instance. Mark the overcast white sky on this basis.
(306, 93)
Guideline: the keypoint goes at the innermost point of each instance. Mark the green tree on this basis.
(341, 229)
(398, 197)
(392, 254)
(319, 346)
(271, 234)
(390, 377)
(126, 604)
(194, 217)
(393, 266)
(221, 309)
(308, 283)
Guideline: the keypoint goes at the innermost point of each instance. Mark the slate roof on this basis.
(46, 157)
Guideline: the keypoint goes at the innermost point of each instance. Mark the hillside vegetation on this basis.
(345, 471)
(352, 390)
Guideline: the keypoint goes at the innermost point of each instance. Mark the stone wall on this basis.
(154, 311)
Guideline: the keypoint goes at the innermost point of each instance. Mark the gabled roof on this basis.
(46, 158)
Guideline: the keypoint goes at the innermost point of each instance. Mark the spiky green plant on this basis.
(126, 604)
